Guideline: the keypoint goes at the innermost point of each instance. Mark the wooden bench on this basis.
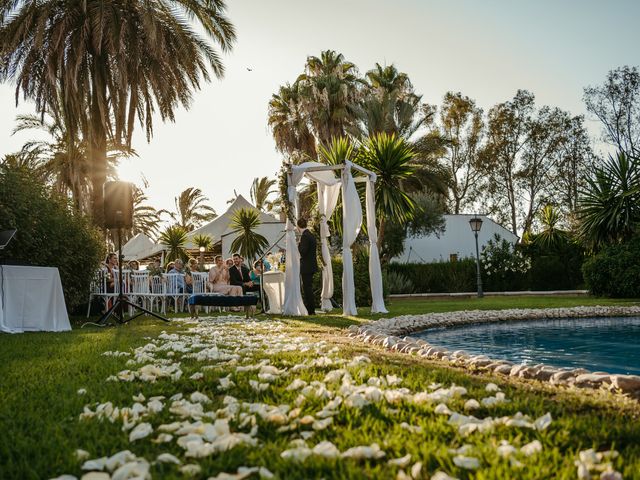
(249, 302)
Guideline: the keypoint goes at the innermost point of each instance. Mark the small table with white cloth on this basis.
(273, 286)
(31, 299)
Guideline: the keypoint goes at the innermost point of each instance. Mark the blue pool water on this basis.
(598, 344)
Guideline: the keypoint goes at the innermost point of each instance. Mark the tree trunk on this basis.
(98, 142)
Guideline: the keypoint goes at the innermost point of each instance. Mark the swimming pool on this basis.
(598, 344)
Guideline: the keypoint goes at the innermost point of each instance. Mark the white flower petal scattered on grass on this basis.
(131, 470)
(543, 422)
(297, 384)
(141, 431)
(468, 463)
(82, 391)
(442, 409)
(326, 449)
(226, 383)
(81, 455)
(95, 464)
(96, 476)
(492, 387)
(197, 376)
(442, 476)
(364, 452)
(531, 448)
(65, 477)
(401, 462)
(471, 404)
(505, 449)
(191, 469)
(139, 398)
(163, 438)
(411, 428)
(463, 450)
(168, 458)
(416, 470)
(322, 424)
(299, 454)
(591, 462)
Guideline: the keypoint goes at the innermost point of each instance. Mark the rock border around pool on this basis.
(391, 334)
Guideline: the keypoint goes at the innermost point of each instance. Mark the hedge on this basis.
(615, 271)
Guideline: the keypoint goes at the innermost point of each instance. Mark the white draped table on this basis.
(31, 300)
(273, 287)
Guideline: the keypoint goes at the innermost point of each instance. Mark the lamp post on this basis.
(201, 259)
(476, 225)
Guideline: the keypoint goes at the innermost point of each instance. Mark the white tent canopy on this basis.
(140, 247)
(329, 188)
(218, 228)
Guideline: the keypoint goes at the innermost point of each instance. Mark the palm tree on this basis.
(248, 242)
(105, 64)
(260, 191)
(329, 90)
(391, 159)
(174, 237)
(609, 208)
(191, 209)
(289, 125)
(146, 219)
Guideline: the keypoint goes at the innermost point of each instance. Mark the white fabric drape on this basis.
(293, 304)
(351, 223)
(375, 273)
(327, 201)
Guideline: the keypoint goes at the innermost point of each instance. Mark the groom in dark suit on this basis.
(308, 264)
(239, 276)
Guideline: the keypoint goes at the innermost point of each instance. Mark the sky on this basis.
(486, 50)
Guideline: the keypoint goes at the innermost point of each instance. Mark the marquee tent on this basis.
(140, 247)
(330, 186)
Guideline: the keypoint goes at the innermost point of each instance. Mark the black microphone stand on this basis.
(118, 307)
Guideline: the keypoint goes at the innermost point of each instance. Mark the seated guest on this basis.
(110, 265)
(192, 266)
(169, 267)
(154, 268)
(255, 273)
(229, 262)
(219, 279)
(239, 275)
(134, 266)
(177, 270)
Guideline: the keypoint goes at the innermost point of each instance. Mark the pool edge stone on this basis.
(394, 334)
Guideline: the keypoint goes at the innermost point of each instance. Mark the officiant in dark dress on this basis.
(308, 264)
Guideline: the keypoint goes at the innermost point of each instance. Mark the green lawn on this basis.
(42, 372)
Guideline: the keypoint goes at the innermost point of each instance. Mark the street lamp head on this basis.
(201, 249)
(476, 224)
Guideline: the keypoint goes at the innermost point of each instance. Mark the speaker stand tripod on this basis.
(118, 307)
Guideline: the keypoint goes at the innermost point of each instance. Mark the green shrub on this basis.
(396, 282)
(360, 277)
(504, 266)
(615, 271)
(555, 268)
(49, 234)
(439, 277)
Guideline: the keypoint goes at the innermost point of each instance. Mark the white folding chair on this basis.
(99, 288)
(200, 282)
(139, 289)
(157, 293)
(174, 289)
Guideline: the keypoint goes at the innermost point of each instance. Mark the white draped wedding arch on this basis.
(330, 186)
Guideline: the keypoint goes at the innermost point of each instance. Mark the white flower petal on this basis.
(401, 462)
(469, 463)
(141, 431)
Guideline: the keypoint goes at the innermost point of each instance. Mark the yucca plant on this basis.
(203, 240)
(247, 242)
(551, 236)
(174, 238)
(609, 207)
(390, 158)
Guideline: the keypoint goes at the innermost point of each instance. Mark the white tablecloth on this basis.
(31, 299)
(274, 289)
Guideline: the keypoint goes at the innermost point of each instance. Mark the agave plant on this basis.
(247, 242)
(609, 208)
(174, 238)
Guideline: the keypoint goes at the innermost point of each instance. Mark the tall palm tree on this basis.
(203, 241)
(174, 237)
(260, 191)
(329, 90)
(289, 125)
(551, 235)
(391, 159)
(191, 210)
(248, 242)
(106, 63)
(609, 208)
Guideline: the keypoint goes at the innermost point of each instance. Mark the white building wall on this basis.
(456, 239)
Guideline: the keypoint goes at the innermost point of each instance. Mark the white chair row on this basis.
(149, 291)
